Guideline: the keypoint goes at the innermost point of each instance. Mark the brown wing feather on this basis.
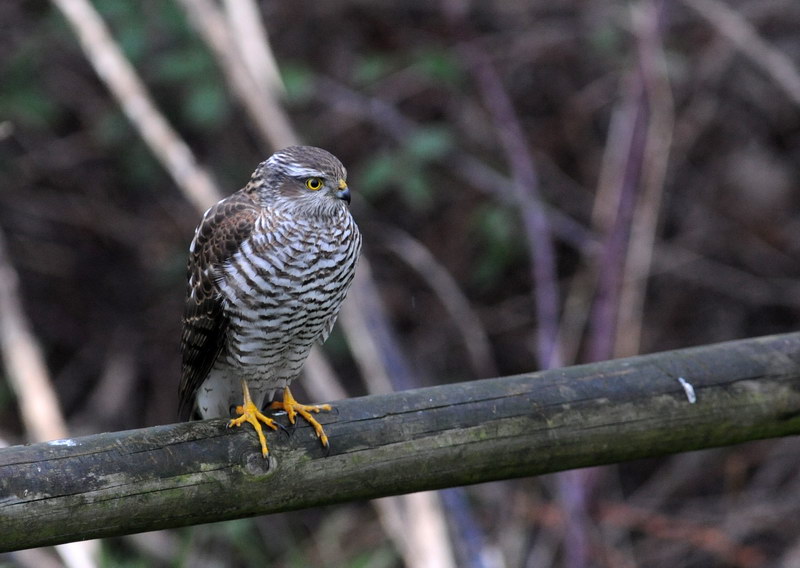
(205, 323)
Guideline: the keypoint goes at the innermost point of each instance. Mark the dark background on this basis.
(402, 94)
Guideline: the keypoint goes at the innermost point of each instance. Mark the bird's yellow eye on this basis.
(314, 184)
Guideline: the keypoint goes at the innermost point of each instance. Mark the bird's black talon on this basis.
(285, 430)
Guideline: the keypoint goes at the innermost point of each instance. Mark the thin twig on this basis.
(744, 36)
(29, 378)
(710, 539)
(366, 346)
(447, 290)
(263, 107)
(468, 168)
(526, 190)
(119, 76)
(620, 180)
(690, 266)
(616, 201)
(24, 361)
(378, 353)
(250, 35)
(652, 67)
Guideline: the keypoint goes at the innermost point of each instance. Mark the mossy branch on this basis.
(182, 474)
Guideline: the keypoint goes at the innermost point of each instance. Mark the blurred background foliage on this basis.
(99, 233)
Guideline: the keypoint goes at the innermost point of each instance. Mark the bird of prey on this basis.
(268, 270)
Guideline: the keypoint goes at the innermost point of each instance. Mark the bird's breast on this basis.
(281, 289)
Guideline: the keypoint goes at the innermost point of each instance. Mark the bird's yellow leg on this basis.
(250, 413)
(293, 408)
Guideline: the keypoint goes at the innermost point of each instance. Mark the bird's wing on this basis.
(205, 321)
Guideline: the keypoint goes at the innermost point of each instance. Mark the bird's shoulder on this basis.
(223, 228)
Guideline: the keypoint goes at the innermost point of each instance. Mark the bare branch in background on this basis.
(525, 185)
(263, 107)
(448, 292)
(616, 198)
(467, 167)
(320, 379)
(653, 69)
(250, 35)
(24, 361)
(368, 350)
(428, 542)
(29, 378)
(710, 539)
(635, 154)
(121, 79)
(738, 30)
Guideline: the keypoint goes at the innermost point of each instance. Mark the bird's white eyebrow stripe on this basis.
(294, 169)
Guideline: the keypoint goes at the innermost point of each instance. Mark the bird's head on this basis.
(302, 176)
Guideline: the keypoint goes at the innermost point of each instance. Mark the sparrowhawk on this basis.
(269, 267)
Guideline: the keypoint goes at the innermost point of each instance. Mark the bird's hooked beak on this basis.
(344, 192)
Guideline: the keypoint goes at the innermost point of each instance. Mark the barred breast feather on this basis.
(266, 281)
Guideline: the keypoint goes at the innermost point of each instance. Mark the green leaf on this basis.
(378, 174)
(23, 99)
(298, 81)
(496, 229)
(27, 105)
(417, 191)
(182, 64)
(439, 65)
(371, 68)
(430, 143)
(207, 105)
(111, 127)
(127, 25)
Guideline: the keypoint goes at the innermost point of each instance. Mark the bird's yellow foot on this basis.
(293, 408)
(250, 413)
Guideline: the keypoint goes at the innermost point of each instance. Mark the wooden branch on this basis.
(190, 473)
(130, 92)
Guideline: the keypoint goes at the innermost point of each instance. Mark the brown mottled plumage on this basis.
(268, 270)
